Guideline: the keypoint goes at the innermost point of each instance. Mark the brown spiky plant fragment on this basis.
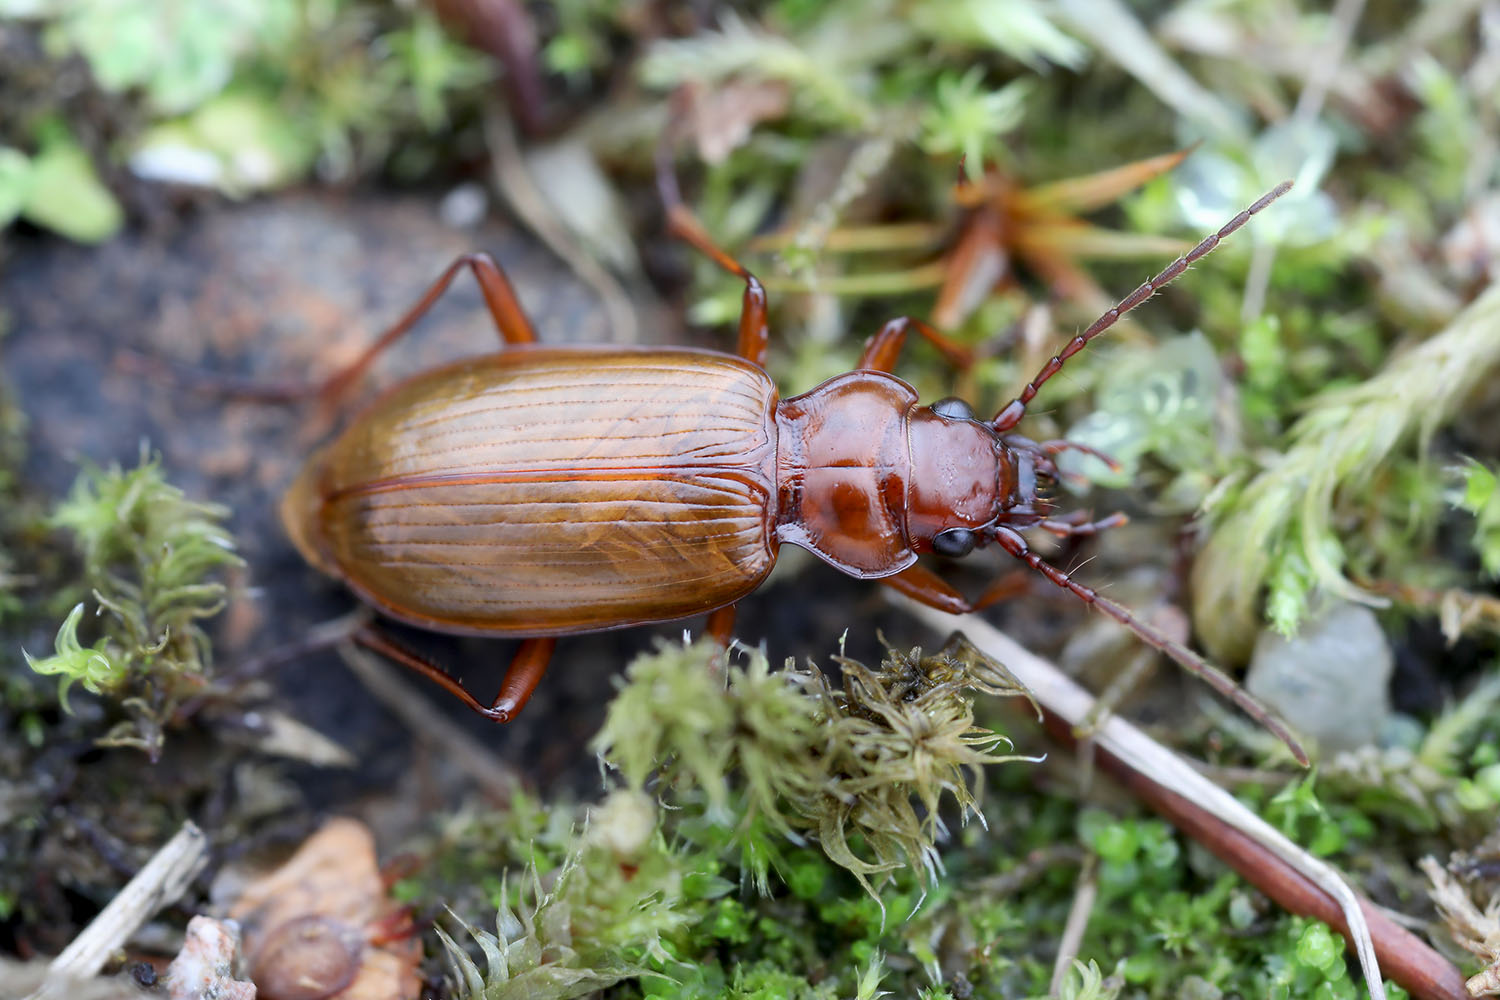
(1476, 931)
(1040, 228)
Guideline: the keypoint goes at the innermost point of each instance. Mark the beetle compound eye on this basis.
(954, 542)
(953, 408)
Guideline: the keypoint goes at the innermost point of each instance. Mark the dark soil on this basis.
(287, 289)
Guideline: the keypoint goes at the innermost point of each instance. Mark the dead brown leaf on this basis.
(323, 926)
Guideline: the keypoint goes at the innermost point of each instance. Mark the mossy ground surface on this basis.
(1320, 393)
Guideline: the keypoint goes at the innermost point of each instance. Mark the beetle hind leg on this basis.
(720, 625)
(499, 298)
(521, 678)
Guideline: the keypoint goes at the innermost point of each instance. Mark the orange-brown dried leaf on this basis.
(323, 927)
(1039, 226)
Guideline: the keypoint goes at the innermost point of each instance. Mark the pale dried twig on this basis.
(164, 878)
(1084, 897)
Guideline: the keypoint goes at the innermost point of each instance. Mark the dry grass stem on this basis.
(164, 878)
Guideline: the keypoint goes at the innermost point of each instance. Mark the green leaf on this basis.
(76, 663)
(15, 183)
(179, 53)
(66, 196)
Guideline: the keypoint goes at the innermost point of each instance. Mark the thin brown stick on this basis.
(1265, 858)
(1404, 957)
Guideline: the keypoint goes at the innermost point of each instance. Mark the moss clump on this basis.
(150, 557)
(642, 901)
(861, 768)
(604, 913)
(1277, 530)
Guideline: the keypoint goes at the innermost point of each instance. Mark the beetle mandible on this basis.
(544, 491)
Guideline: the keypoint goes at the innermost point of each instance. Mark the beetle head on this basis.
(967, 478)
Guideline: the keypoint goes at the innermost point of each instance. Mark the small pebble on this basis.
(465, 206)
(205, 968)
(1330, 681)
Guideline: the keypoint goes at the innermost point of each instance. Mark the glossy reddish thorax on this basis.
(842, 472)
(866, 477)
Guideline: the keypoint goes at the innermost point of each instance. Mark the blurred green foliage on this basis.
(1277, 527)
(1480, 496)
(238, 95)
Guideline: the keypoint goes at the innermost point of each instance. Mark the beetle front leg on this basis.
(1081, 526)
(521, 678)
(882, 349)
(926, 587)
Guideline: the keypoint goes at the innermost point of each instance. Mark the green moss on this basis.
(1277, 528)
(860, 768)
(657, 901)
(603, 918)
(1478, 495)
(150, 558)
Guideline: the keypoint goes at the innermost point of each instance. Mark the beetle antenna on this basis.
(1215, 678)
(1016, 408)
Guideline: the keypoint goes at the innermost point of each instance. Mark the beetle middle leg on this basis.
(883, 348)
(754, 332)
(521, 678)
